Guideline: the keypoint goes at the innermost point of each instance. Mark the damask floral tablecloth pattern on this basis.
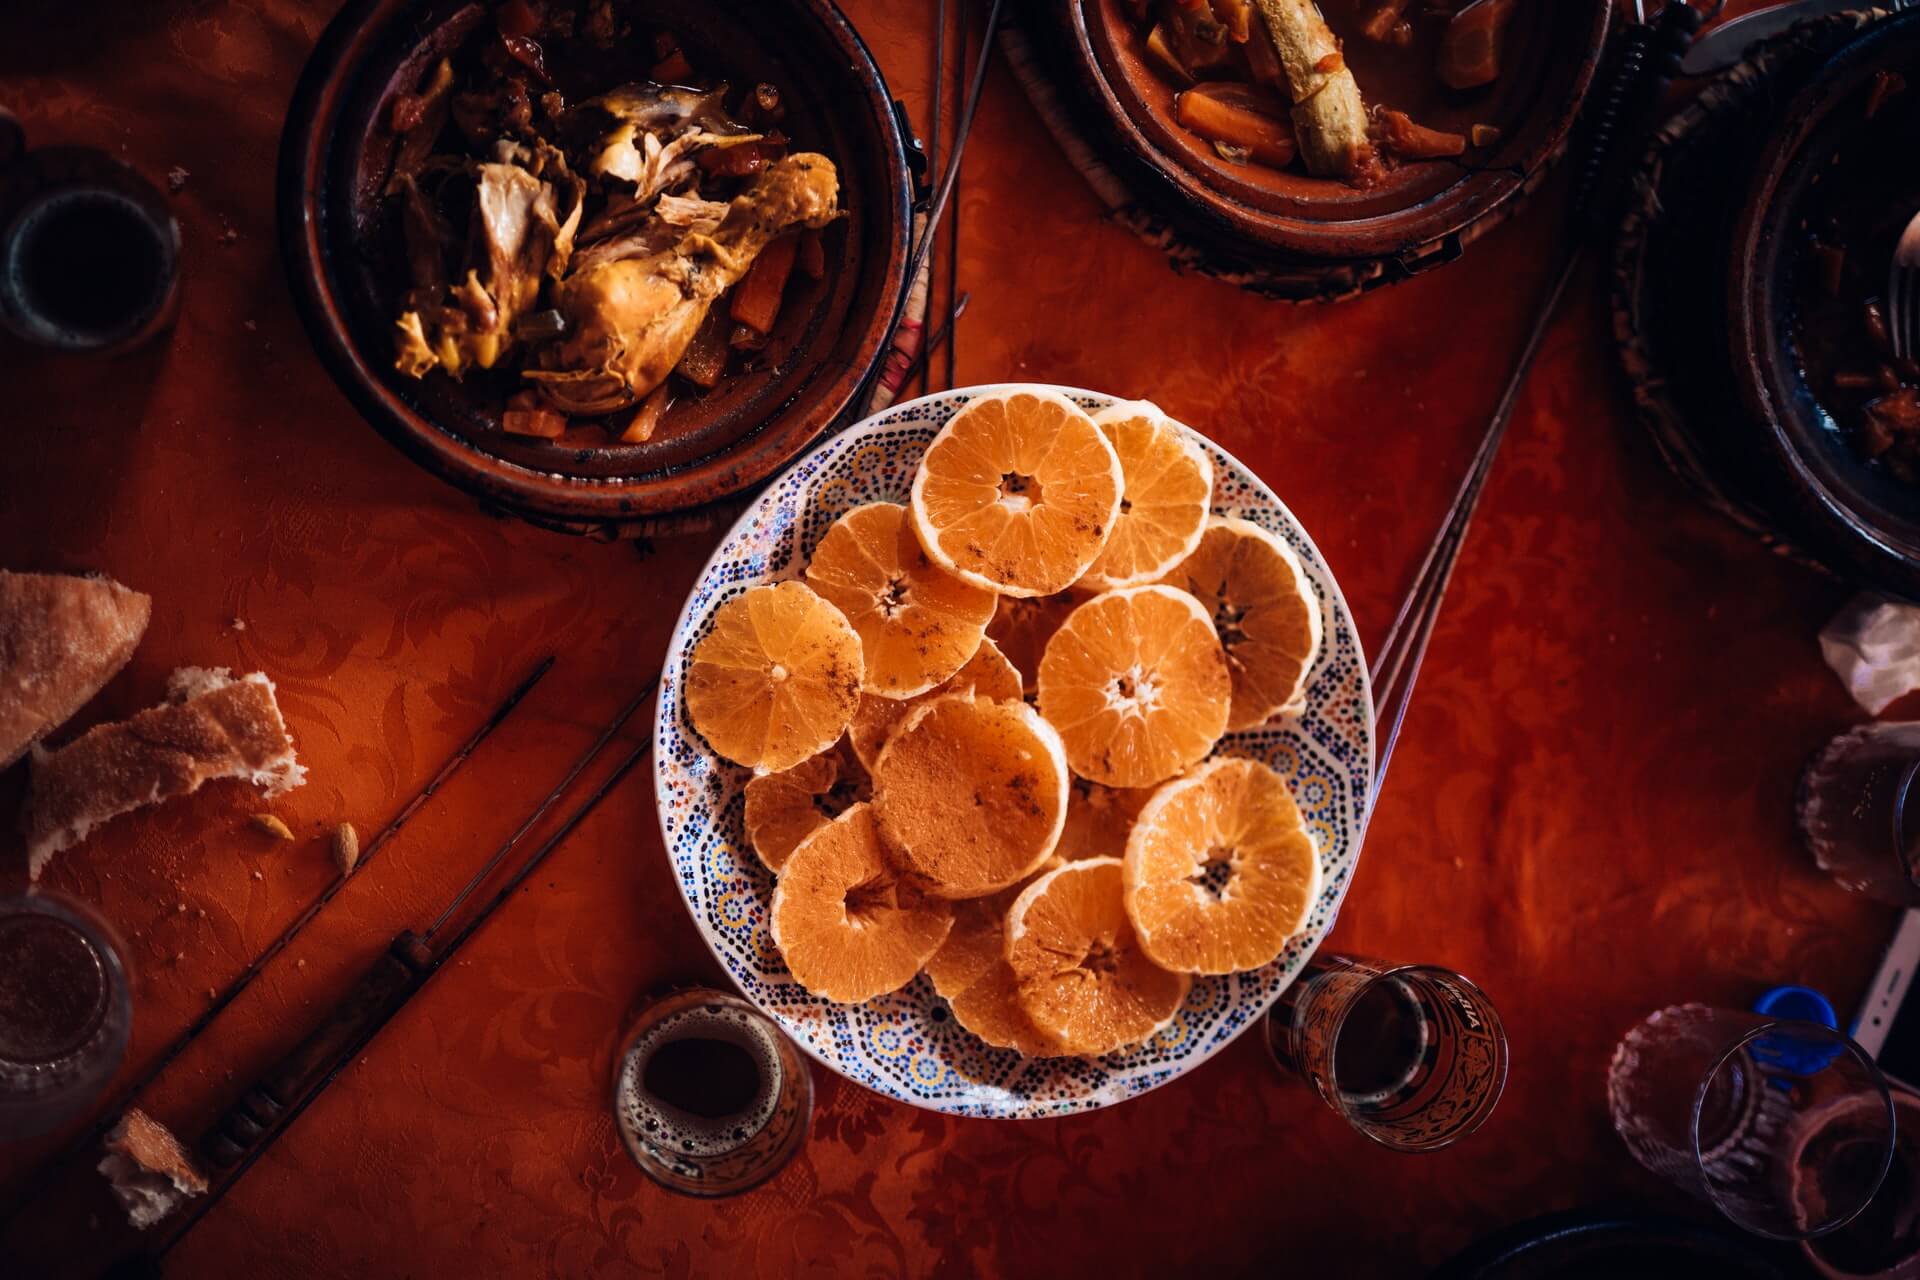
(1589, 812)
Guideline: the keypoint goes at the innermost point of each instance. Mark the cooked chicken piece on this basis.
(673, 217)
(656, 131)
(519, 235)
(629, 321)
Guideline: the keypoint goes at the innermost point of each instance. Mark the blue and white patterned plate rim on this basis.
(891, 1045)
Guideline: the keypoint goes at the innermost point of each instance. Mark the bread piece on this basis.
(213, 726)
(150, 1172)
(61, 638)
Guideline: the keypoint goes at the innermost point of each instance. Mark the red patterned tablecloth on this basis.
(1589, 813)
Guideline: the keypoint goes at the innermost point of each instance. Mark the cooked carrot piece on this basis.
(544, 423)
(813, 256)
(1470, 46)
(1160, 49)
(1236, 16)
(1410, 141)
(647, 420)
(706, 356)
(756, 299)
(1384, 20)
(1239, 115)
(672, 69)
(1263, 60)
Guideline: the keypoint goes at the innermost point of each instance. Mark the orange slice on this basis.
(776, 680)
(971, 794)
(918, 624)
(848, 925)
(1163, 507)
(785, 808)
(1265, 611)
(1099, 819)
(1219, 870)
(972, 972)
(1017, 493)
(1022, 627)
(1079, 970)
(1137, 685)
(987, 674)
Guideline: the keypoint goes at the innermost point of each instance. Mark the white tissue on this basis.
(1873, 645)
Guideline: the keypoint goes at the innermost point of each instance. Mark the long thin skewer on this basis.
(200, 1206)
(1401, 653)
(933, 149)
(921, 360)
(965, 126)
(111, 1112)
(1629, 100)
(952, 338)
(606, 735)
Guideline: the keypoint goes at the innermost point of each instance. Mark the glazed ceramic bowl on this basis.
(1422, 215)
(906, 1045)
(1854, 517)
(344, 265)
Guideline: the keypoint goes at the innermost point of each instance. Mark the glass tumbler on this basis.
(1785, 1127)
(66, 1011)
(1858, 813)
(710, 1099)
(1413, 1056)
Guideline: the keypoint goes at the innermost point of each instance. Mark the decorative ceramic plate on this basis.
(907, 1045)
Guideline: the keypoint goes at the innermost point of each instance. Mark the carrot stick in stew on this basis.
(1470, 47)
(1263, 62)
(1400, 135)
(543, 423)
(1239, 115)
(647, 420)
(1236, 16)
(672, 69)
(756, 299)
(1329, 116)
(1386, 16)
(812, 259)
(705, 358)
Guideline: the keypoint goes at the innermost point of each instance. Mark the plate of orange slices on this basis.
(1013, 750)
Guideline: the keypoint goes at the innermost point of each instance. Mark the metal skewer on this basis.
(266, 1110)
(1649, 56)
(167, 1056)
(939, 335)
(944, 192)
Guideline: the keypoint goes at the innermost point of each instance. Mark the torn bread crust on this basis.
(1329, 115)
(149, 1170)
(213, 726)
(61, 638)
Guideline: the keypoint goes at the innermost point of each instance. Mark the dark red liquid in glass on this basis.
(53, 989)
(711, 1079)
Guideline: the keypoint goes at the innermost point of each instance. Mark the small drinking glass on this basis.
(1413, 1056)
(1785, 1127)
(66, 1011)
(711, 1100)
(1853, 809)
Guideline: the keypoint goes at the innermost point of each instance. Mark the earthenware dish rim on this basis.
(1474, 195)
(309, 148)
(1761, 308)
